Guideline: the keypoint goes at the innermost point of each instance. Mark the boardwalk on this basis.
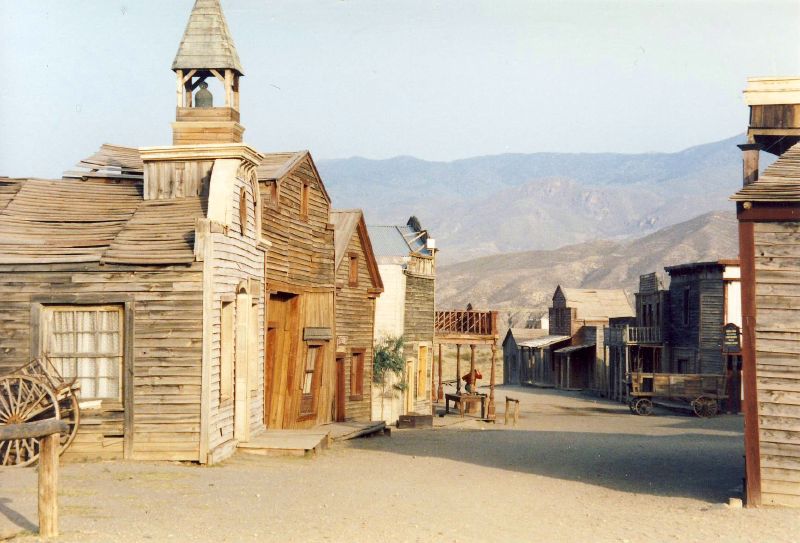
(573, 469)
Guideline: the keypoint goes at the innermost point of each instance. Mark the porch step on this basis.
(306, 443)
(343, 431)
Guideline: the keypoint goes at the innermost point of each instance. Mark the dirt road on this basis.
(574, 469)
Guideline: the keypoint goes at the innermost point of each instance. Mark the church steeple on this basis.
(207, 51)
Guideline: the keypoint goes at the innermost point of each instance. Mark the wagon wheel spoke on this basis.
(24, 398)
(41, 397)
(7, 446)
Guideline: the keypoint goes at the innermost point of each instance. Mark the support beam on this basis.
(440, 391)
(458, 368)
(179, 89)
(750, 153)
(48, 485)
(490, 410)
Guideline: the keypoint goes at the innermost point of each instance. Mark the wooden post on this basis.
(749, 162)
(179, 74)
(48, 485)
(229, 88)
(472, 367)
(458, 368)
(490, 415)
(440, 392)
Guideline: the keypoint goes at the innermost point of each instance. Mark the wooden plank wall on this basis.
(301, 261)
(777, 262)
(419, 317)
(701, 338)
(236, 258)
(166, 349)
(355, 318)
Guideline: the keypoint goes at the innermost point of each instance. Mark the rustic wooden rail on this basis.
(48, 433)
(479, 323)
(509, 414)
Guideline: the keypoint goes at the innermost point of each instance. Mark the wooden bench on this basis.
(48, 432)
(462, 400)
(510, 401)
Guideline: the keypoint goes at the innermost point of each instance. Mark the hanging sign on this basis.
(731, 338)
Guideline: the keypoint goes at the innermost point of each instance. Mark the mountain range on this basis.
(520, 202)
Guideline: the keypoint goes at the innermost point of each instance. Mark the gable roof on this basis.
(524, 334)
(597, 304)
(207, 42)
(276, 166)
(780, 182)
(347, 222)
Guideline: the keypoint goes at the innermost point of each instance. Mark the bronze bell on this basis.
(203, 97)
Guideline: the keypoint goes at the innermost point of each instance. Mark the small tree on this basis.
(388, 360)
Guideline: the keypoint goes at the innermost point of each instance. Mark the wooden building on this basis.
(300, 360)
(518, 361)
(406, 258)
(142, 277)
(582, 314)
(358, 284)
(768, 209)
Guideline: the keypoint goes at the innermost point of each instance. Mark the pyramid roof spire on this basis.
(207, 42)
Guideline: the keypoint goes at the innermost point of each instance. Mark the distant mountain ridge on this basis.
(517, 202)
(526, 280)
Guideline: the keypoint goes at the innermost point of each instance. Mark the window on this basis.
(422, 370)
(242, 210)
(310, 380)
(271, 195)
(227, 332)
(357, 376)
(86, 343)
(305, 190)
(353, 271)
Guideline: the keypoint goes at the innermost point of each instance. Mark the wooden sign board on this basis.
(731, 338)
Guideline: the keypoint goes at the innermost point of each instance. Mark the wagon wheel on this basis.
(705, 406)
(24, 399)
(643, 406)
(631, 404)
(70, 413)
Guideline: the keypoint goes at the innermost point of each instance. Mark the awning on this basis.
(543, 341)
(574, 348)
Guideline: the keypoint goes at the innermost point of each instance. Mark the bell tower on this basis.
(207, 51)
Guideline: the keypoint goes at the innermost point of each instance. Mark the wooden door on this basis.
(409, 392)
(280, 357)
(341, 398)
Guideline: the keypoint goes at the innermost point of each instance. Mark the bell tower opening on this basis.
(207, 54)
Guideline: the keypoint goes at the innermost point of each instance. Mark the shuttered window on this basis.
(357, 376)
(310, 382)
(86, 343)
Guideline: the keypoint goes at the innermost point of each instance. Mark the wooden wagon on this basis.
(702, 391)
(32, 393)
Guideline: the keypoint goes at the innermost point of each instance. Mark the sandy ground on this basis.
(573, 469)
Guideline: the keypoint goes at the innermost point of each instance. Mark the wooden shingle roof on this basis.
(780, 182)
(64, 220)
(207, 42)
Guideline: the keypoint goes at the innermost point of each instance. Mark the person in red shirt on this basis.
(471, 380)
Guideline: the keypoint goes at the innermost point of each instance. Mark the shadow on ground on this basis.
(704, 466)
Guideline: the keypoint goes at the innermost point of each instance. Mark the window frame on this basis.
(305, 197)
(352, 271)
(310, 412)
(357, 357)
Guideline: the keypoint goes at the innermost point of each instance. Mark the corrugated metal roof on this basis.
(780, 182)
(543, 341)
(573, 348)
(387, 241)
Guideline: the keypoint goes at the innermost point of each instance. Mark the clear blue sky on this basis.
(434, 79)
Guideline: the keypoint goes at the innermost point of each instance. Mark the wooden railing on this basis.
(475, 323)
(642, 334)
(422, 265)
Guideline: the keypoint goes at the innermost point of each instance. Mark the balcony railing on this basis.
(471, 323)
(422, 265)
(642, 334)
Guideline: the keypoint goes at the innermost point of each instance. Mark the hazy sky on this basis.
(434, 79)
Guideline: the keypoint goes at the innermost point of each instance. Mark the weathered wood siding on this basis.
(511, 361)
(235, 259)
(777, 262)
(355, 319)
(301, 262)
(302, 249)
(166, 346)
(418, 326)
(700, 339)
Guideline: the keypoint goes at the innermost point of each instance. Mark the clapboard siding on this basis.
(236, 259)
(355, 319)
(777, 250)
(167, 304)
(419, 322)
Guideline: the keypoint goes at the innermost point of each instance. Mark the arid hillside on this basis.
(523, 282)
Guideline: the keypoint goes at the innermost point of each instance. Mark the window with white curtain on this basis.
(85, 342)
